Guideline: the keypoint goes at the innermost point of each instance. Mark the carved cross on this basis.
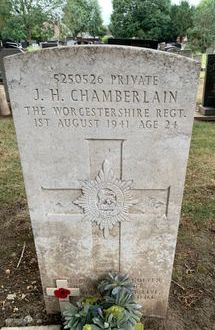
(106, 198)
(62, 292)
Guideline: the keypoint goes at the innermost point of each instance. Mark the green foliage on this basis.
(95, 27)
(14, 29)
(181, 19)
(113, 283)
(202, 35)
(146, 19)
(75, 16)
(123, 24)
(29, 19)
(124, 298)
(105, 39)
(114, 309)
(83, 16)
(5, 9)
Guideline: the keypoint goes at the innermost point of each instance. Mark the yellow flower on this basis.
(116, 311)
(90, 301)
(139, 326)
(87, 327)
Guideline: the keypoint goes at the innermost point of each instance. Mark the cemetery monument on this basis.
(208, 106)
(104, 135)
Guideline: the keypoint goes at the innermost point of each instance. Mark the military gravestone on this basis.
(208, 106)
(104, 135)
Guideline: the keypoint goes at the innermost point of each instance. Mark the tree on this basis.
(181, 19)
(5, 9)
(147, 19)
(95, 27)
(76, 16)
(123, 24)
(29, 19)
(202, 35)
(83, 16)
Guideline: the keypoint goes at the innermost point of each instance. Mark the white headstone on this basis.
(104, 135)
(186, 52)
(210, 50)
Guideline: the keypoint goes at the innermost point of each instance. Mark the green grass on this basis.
(194, 261)
(203, 139)
(199, 196)
(11, 180)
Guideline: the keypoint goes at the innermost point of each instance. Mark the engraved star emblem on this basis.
(106, 200)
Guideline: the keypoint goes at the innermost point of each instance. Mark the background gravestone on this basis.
(49, 44)
(104, 135)
(210, 50)
(162, 46)
(186, 52)
(208, 106)
(174, 50)
(3, 53)
(153, 44)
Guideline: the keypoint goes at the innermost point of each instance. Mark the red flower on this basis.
(61, 293)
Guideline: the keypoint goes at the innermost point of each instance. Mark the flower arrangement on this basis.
(114, 309)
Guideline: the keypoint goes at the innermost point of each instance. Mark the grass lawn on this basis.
(193, 288)
(11, 180)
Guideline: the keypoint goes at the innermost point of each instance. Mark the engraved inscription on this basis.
(114, 101)
(147, 288)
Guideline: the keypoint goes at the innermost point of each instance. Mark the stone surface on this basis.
(11, 296)
(207, 111)
(4, 107)
(3, 53)
(28, 319)
(210, 50)
(19, 322)
(104, 135)
(186, 52)
(197, 58)
(16, 322)
(42, 327)
(203, 117)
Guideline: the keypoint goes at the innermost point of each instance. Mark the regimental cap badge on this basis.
(106, 200)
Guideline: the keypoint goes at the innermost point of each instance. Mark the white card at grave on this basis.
(104, 135)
